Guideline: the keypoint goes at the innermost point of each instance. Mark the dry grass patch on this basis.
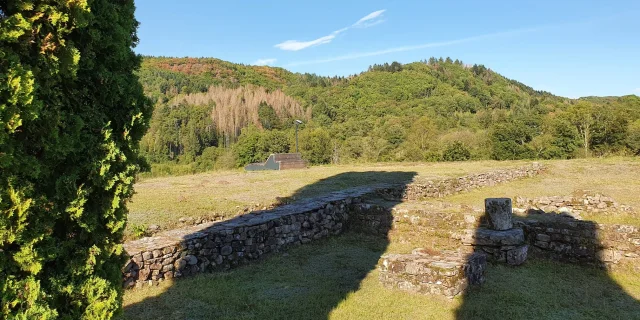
(163, 201)
(615, 177)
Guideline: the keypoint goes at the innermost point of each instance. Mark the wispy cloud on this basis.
(374, 16)
(417, 47)
(295, 45)
(265, 62)
(366, 21)
(369, 20)
(637, 90)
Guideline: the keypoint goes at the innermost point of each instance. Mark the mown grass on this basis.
(337, 279)
(163, 201)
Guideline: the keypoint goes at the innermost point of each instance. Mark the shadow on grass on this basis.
(305, 282)
(550, 285)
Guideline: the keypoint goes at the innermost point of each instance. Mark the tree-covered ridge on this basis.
(436, 109)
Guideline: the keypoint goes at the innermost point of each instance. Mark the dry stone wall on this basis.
(446, 273)
(226, 244)
(566, 239)
(223, 245)
(572, 205)
(446, 187)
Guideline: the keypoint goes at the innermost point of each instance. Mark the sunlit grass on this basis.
(615, 177)
(163, 201)
(337, 279)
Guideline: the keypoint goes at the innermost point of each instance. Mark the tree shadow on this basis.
(302, 282)
(564, 277)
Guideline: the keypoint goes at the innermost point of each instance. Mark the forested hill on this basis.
(212, 113)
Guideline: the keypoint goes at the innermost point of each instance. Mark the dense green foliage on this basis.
(71, 115)
(432, 110)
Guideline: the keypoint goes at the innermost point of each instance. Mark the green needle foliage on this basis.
(71, 115)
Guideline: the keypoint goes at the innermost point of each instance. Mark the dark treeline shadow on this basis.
(550, 286)
(302, 282)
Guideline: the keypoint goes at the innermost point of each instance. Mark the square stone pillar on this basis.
(499, 212)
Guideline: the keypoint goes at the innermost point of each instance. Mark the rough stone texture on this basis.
(499, 212)
(226, 244)
(517, 256)
(438, 189)
(573, 205)
(501, 245)
(447, 273)
(585, 242)
(494, 238)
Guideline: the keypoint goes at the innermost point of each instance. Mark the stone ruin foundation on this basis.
(501, 241)
(446, 273)
(450, 273)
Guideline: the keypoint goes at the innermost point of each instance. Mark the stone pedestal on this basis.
(501, 241)
(506, 246)
(446, 273)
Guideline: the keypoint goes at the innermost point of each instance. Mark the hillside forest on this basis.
(212, 114)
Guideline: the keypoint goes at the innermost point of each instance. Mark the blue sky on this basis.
(570, 48)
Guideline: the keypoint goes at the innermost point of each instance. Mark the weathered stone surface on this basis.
(226, 250)
(494, 238)
(517, 256)
(447, 273)
(582, 242)
(499, 212)
(191, 259)
(572, 205)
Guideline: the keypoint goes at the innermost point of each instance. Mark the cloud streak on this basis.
(367, 21)
(417, 47)
(364, 22)
(487, 36)
(265, 62)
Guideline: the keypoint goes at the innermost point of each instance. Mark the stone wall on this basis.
(566, 239)
(223, 245)
(446, 273)
(446, 187)
(572, 205)
(226, 244)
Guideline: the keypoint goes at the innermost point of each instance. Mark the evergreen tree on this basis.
(72, 113)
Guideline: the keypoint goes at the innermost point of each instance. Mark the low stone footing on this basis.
(446, 273)
(506, 246)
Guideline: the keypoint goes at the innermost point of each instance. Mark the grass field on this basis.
(337, 278)
(163, 201)
(615, 177)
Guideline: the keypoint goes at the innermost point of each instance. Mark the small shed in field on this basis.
(279, 161)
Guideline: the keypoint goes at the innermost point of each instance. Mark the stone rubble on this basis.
(573, 206)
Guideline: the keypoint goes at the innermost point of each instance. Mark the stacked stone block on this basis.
(501, 241)
(447, 273)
